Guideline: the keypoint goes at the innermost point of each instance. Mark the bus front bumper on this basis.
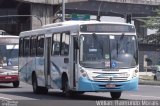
(93, 86)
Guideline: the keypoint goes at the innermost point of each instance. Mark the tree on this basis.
(154, 21)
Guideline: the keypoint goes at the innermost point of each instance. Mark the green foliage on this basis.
(154, 21)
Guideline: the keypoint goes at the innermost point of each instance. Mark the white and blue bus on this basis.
(80, 56)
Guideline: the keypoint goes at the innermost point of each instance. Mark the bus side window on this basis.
(40, 46)
(56, 44)
(21, 47)
(26, 46)
(65, 44)
(33, 45)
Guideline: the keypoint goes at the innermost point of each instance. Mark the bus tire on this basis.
(65, 87)
(16, 84)
(43, 90)
(36, 88)
(80, 92)
(115, 95)
(66, 90)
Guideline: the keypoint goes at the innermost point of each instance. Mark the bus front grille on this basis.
(110, 77)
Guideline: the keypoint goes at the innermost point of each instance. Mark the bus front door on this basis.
(47, 62)
(73, 62)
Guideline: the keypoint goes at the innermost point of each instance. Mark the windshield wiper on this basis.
(117, 47)
(94, 35)
(120, 44)
(122, 36)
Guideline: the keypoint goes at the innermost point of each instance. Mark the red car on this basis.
(9, 59)
(9, 75)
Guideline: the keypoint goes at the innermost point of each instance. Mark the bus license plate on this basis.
(110, 86)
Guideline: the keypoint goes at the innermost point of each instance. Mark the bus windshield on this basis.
(8, 55)
(105, 51)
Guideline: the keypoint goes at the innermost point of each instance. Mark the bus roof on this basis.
(71, 23)
(9, 39)
(8, 36)
(67, 23)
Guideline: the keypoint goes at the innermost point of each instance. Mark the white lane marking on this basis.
(3, 98)
(156, 86)
(155, 97)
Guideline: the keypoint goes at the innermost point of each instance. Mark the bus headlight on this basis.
(83, 73)
(134, 74)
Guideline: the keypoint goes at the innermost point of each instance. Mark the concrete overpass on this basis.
(146, 2)
(121, 7)
(46, 10)
(53, 2)
(111, 8)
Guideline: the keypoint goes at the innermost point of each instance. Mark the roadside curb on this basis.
(147, 82)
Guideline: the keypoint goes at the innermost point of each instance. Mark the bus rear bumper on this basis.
(92, 86)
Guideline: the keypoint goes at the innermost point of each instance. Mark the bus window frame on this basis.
(60, 43)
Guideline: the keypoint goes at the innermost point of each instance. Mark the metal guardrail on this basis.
(148, 2)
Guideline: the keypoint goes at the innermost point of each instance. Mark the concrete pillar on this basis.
(141, 32)
(145, 62)
(44, 12)
(141, 61)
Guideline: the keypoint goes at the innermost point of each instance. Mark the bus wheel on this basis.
(66, 90)
(115, 95)
(36, 88)
(16, 84)
(44, 90)
(80, 92)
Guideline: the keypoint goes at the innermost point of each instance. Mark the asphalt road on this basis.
(24, 96)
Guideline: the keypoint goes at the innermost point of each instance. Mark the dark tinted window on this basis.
(56, 45)
(21, 47)
(40, 45)
(26, 46)
(33, 45)
(65, 44)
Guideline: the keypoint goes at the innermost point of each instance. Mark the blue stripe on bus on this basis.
(56, 81)
(56, 67)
